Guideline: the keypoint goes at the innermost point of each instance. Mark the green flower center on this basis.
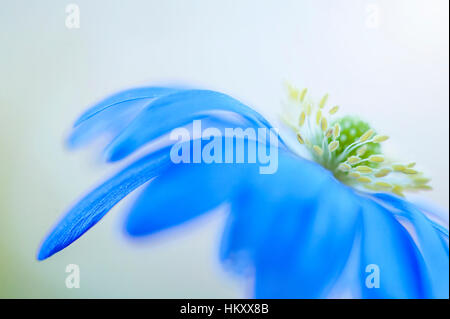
(348, 147)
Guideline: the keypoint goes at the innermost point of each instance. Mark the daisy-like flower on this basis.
(314, 228)
(348, 147)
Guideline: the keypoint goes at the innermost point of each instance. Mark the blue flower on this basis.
(301, 231)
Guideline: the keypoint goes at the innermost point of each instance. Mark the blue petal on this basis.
(110, 121)
(88, 211)
(386, 244)
(175, 110)
(288, 226)
(429, 237)
(113, 114)
(124, 96)
(188, 190)
(181, 194)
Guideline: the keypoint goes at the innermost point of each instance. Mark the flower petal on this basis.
(109, 121)
(113, 114)
(287, 226)
(124, 96)
(433, 249)
(182, 193)
(190, 189)
(388, 246)
(175, 110)
(89, 210)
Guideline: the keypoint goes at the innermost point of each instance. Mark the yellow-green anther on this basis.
(363, 169)
(383, 185)
(421, 180)
(411, 165)
(360, 151)
(353, 160)
(382, 172)
(333, 146)
(366, 136)
(323, 101)
(423, 187)
(409, 171)
(318, 117)
(324, 124)
(308, 109)
(344, 167)
(380, 138)
(334, 109)
(329, 132)
(364, 179)
(371, 187)
(300, 139)
(354, 174)
(302, 118)
(376, 158)
(303, 94)
(336, 131)
(398, 167)
(293, 92)
(397, 189)
(318, 150)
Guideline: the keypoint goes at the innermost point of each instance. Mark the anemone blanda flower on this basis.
(296, 231)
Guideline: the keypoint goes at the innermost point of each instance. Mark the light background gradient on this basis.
(395, 74)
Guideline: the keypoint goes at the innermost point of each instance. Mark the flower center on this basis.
(348, 146)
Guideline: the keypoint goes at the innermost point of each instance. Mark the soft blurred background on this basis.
(387, 61)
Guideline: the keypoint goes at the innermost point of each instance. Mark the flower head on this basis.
(296, 231)
(348, 146)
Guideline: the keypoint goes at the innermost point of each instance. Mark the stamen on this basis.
(420, 180)
(366, 136)
(380, 138)
(293, 92)
(344, 167)
(334, 109)
(353, 160)
(323, 101)
(318, 117)
(308, 109)
(423, 187)
(346, 145)
(363, 169)
(354, 174)
(397, 189)
(329, 132)
(383, 185)
(376, 158)
(318, 150)
(324, 124)
(337, 130)
(409, 171)
(302, 118)
(364, 179)
(303, 94)
(361, 150)
(333, 146)
(398, 167)
(382, 172)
